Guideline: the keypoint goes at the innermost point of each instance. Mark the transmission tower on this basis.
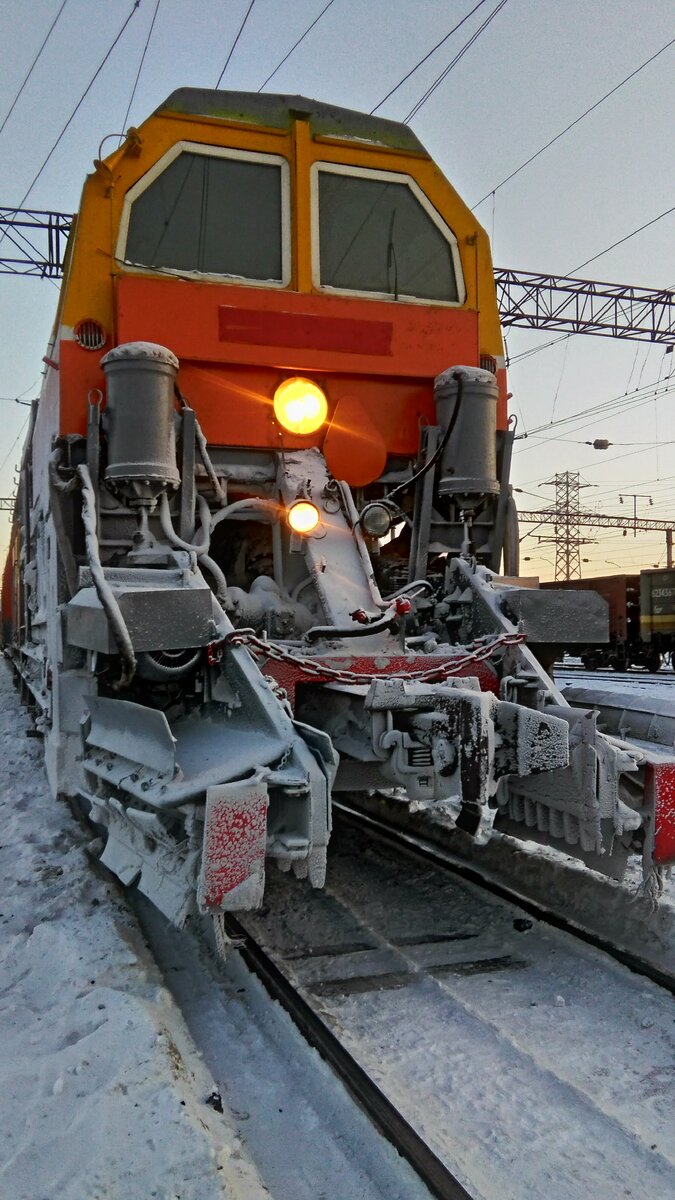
(566, 534)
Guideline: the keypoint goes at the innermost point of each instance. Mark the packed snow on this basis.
(102, 1095)
(545, 1071)
(533, 1065)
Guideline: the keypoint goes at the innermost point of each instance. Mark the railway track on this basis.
(436, 1176)
(663, 679)
(429, 854)
(474, 1028)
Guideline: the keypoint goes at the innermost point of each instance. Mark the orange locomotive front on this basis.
(263, 506)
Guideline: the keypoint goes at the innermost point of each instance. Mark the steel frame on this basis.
(572, 305)
(44, 263)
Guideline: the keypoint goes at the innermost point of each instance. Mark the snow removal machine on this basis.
(264, 549)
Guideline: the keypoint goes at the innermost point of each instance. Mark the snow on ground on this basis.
(102, 1094)
(533, 1065)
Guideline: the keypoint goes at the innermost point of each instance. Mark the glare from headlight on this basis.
(303, 516)
(300, 406)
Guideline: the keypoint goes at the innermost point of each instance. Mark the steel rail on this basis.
(608, 674)
(434, 1174)
(429, 852)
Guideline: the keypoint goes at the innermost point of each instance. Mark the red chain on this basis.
(476, 652)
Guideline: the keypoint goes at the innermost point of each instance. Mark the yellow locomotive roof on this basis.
(279, 112)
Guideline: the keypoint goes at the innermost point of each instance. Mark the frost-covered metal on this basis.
(242, 708)
(207, 677)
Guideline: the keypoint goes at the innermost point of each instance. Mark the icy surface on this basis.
(307, 1137)
(102, 1095)
(533, 1065)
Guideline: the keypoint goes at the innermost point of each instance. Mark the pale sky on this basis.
(538, 66)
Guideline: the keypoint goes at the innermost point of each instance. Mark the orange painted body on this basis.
(375, 359)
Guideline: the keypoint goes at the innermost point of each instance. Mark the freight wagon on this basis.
(641, 614)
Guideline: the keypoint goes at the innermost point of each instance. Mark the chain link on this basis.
(477, 652)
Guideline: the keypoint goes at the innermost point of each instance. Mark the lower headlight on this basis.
(303, 516)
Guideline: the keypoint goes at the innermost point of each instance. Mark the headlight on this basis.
(376, 519)
(303, 517)
(300, 406)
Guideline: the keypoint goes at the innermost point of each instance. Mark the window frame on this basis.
(424, 201)
(210, 151)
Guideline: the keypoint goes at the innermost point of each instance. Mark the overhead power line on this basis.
(605, 411)
(9, 453)
(140, 65)
(79, 104)
(427, 56)
(296, 44)
(453, 63)
(576, 121)
(33, 65)
(626, 238)
(234, 44)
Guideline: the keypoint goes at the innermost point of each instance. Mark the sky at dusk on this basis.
(537, 66)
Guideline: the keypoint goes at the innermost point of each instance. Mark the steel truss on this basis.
(19, 226)
(571, 305)
(551, 516)
(569, 522)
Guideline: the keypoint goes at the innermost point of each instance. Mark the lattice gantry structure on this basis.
(585, 306)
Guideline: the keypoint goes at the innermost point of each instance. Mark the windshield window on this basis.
(207, 213)
(376, 236)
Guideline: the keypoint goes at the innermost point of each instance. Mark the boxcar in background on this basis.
(641, 619)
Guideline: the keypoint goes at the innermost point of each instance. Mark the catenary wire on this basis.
(79, 104)
(19, 399)
(33, 65)
(453, 62)
(625, 239)
(575, 122)
(614, 413)
(140, 67)
(9, 453)
(607, 410)
(296, 44)
(234, 44)
(427, 56)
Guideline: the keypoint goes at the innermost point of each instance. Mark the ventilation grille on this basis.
(488, 363)
(91, 335)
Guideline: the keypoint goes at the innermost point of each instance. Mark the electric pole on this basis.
(567, 533)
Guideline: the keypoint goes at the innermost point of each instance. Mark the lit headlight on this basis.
(300, 406)
(303, 517)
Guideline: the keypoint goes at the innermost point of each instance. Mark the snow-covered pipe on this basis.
(170, 534)
(217, 575)
(104, 592)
